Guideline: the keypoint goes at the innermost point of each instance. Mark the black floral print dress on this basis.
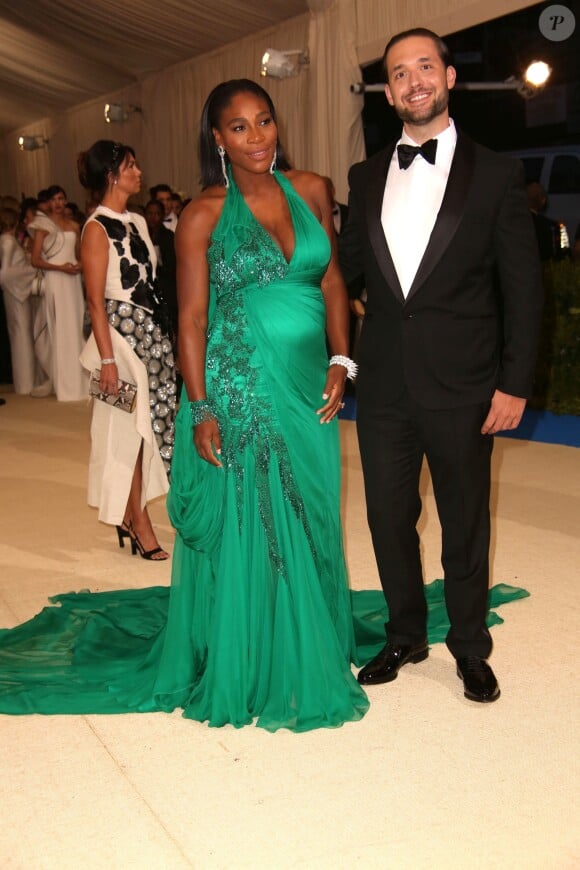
(135, 311)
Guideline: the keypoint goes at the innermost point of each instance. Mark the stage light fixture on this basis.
(283, 64)
(119, 112)
(31, 143)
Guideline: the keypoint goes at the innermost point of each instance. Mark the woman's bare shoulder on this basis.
(305, 180)
(198, 220)
(312, 188)
(94, 229)
(205, 209)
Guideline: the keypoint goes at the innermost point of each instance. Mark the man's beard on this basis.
(437, 108)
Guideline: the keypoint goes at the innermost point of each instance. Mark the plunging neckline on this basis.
(262, 227)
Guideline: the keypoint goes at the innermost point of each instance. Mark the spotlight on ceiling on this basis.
(115, 112)
(31, 143)
(283, 64)
(538, 73)
(532, 81)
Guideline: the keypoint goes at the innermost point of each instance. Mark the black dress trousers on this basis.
(394, 438)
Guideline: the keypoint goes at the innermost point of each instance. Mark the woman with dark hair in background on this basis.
(73, 212)
(131, 453)
(54, 250)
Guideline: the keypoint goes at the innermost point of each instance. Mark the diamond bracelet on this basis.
(347, 363)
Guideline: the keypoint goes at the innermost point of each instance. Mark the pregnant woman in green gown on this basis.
(258, 623)
(272, 636)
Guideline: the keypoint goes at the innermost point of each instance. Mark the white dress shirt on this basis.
(170, 222)
(412, 201)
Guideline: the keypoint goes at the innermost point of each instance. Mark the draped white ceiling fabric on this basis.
(55, 54)
(61, 60)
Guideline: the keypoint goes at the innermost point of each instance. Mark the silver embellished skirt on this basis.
(155, 351)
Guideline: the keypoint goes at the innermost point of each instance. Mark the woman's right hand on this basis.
(71, 268)
(207, 440)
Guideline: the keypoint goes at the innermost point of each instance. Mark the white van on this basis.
(557, 168)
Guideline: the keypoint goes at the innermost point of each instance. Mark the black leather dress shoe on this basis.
(385, 667)
(479, 680)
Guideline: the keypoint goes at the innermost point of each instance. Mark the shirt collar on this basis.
(446, 140)
(447, 137)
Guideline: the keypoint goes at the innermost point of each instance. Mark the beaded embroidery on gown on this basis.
(258, 624)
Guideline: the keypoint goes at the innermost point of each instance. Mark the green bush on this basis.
(557, 381)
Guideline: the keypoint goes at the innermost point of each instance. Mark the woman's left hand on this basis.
(333, 392)
(108, 382)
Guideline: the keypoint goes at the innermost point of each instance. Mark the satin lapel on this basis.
(451, 210)
(375, 194)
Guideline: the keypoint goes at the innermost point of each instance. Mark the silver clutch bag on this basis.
(124, 400)
(37, 286)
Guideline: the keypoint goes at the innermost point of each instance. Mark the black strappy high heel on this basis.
(137, 547)
(122, 533)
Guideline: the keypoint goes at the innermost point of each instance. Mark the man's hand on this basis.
(505, 413)
(357, 307)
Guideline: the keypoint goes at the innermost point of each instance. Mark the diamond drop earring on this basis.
(222, 153)
(273, 163)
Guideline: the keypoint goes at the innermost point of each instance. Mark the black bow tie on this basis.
(407, 153)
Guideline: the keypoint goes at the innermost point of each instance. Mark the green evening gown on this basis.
(259, 624)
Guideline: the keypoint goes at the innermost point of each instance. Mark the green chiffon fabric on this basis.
(259, 624)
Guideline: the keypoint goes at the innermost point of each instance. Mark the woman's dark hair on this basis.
(29, 202)
(218, 100)
(442, 48)
(54, 189)
(102, 158)
(77, 214)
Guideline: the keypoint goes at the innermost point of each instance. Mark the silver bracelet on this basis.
(347, 363)
(109, 361)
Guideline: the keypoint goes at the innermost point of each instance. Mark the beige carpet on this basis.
(426, 780)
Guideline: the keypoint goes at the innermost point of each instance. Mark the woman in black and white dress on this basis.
(131, 453)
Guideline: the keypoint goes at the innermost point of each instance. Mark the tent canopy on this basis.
(55, 55)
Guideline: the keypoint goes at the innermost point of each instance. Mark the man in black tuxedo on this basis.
(164, 244)
(439, 228)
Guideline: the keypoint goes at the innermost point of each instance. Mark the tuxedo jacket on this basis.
(166, 271)
(471, 321)
(343, 209)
